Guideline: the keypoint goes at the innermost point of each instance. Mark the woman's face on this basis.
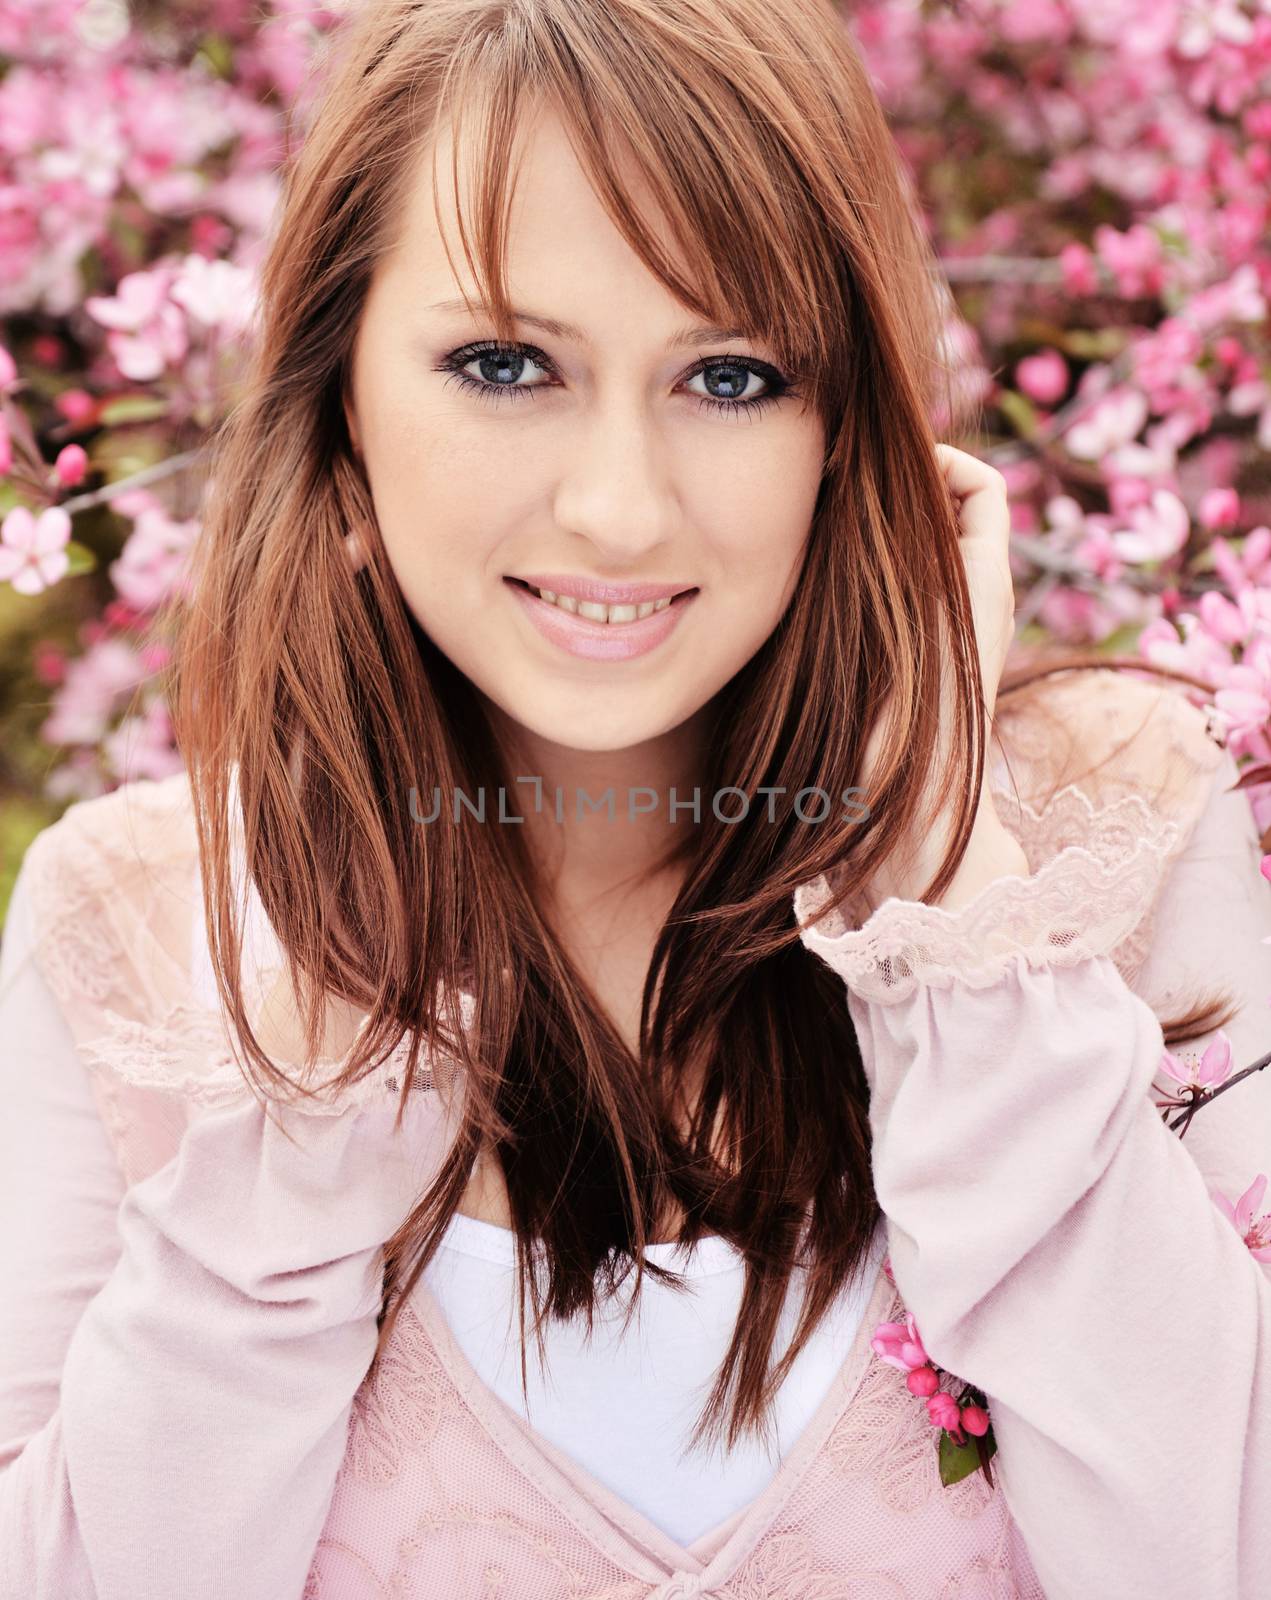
(614, 448)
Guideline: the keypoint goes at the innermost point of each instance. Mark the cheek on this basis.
(440, 507)
(758, 532)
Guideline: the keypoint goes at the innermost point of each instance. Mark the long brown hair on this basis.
(750, 120)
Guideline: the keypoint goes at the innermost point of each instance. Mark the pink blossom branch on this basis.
(166, 468)
(1002, 269)
(1184, 1118)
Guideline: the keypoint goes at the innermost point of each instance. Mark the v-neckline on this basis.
(616, 1527)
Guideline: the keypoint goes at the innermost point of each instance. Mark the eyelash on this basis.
(779, 387)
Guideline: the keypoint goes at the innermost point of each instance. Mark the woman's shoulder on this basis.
(1112, 737)
(142, 827)
(114, 898)
(113, 902)
(118, 860)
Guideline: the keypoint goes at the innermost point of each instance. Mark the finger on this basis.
(964, 473)
(983, 508)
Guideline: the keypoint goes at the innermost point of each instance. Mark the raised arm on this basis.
(1056, 1243)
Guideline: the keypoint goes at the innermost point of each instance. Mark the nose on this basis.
(617, 489)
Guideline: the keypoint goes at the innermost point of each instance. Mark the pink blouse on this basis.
(184, 1408)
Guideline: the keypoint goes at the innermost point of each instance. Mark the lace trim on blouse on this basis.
(1081, 902)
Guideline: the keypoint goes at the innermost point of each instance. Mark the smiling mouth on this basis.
(613, 614)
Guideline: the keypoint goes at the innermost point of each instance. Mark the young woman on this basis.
(608, 870)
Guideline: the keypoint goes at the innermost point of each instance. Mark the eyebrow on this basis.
(694, 334)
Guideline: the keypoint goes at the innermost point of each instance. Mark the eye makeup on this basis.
(513, 357)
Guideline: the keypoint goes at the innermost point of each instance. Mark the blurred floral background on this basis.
(1095, 176)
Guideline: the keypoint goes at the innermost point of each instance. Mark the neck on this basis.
(599, 823)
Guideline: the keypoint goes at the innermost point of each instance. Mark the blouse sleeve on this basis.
(60, 1187)
(1055, 1241)
(207, 1354)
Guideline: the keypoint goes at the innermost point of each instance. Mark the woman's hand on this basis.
(984, 520)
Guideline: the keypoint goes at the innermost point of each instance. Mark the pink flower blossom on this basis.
(135, 304)
(1112, 421)
(148, 332)
(1253, 1229)
(71, 466)
(1213, 1067)
(49, 663)
(1197, 652)
(89, 694)
(1127, 489)
(1097, 552)
(216, 294)
(1157, 530)
(33, 549)
(153, 560)
(1219, 508)
(1251, 564)
(76, 405)
(1043, 377)
(1226, 622)
(142, 747)
(1202, 26)
(1133, 258)
(1080, 275)
(1238, 298)
(943, 1410)
(1245, 700)
(899, 1345)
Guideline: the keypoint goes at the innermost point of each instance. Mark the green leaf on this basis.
(1019, 411)
(1093, 344)
(216, 51)
(957, 1461)
(1123, 640)
(134, 408)
(82, 559)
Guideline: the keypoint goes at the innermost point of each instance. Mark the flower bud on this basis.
(943, 1410)
(1219, 508)
(975, 1419)
(71, 466)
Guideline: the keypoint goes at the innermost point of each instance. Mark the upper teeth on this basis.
(602, 613)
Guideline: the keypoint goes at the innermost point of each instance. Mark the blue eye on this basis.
(502, 366)
(732, 377)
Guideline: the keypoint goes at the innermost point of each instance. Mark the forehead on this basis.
(562, 245)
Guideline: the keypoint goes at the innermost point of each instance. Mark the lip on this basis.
(601, 641)
(610, 594)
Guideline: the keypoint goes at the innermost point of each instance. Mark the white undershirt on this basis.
(622, 1409)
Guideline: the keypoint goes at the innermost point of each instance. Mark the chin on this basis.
(593, 730)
